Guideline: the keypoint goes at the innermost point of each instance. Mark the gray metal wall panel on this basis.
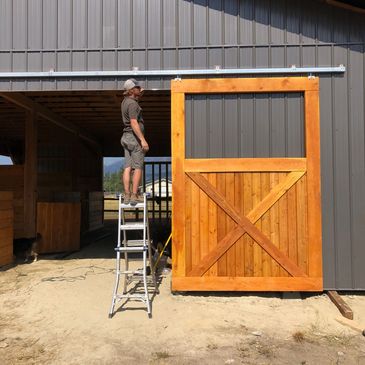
(64, 24)
(5, 24)
(215, 22)
(121, 34)
(79, 34)
(139, 23)
(244, 125)
(169, 31)
(357, 164)
(35, 25)
(154, 20)
(109, 23)
(124, 23)
(20, 8)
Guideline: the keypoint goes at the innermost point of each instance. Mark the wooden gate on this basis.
(246, 224)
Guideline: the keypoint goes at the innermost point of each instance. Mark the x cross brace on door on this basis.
(246, 224)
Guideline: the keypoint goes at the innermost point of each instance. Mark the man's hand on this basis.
(145, 146)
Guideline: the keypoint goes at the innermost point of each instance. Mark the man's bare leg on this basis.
(137, 175)
(127, 179)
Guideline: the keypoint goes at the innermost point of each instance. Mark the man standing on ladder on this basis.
(133, 141)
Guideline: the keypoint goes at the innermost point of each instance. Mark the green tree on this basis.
(112, 182)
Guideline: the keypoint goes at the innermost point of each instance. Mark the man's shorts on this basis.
(133, 152)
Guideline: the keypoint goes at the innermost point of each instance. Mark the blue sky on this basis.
(4, 160)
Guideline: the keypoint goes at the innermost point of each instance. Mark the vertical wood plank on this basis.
(30, 175)
(213, 222)
(256, 198)
(221, 229)
(204, 223)
(195, 226)
(265, 224)
(274, 225)
(188, 223)
(238, 203)
(247, 240)
(178, 188)
(231, 253)
(292, 224)
(283, 225)
(302, 224)
(311, 110)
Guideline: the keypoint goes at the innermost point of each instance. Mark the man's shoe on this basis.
(135, 199)
(127, 198)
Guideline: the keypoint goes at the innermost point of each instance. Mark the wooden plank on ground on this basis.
(342, 306)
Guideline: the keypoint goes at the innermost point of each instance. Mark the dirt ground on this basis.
(56, 312)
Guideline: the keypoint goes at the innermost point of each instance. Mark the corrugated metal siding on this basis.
(159, 34)
(244, 125)
(156, 34)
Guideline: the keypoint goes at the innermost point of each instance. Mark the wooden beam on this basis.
(312, 142)
(351, 324)
(30, 175)
(178, 189)
(28, 104)
(245, 85)
(342, 306)
(221, 283)
(342, 5)
(245, 164)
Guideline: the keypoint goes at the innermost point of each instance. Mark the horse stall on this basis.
(55, 182)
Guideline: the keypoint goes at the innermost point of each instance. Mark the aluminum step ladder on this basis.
(126, 246)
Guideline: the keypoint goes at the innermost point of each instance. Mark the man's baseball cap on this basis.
(130, 84)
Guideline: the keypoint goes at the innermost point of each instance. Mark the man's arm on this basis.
(139, 134)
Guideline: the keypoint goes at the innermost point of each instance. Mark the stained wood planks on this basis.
(6, 228)
(12, 180)
(59, 225)
(267, 210)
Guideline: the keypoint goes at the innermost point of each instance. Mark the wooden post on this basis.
(30, 175)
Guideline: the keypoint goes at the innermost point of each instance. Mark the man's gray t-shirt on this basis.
(131, 110)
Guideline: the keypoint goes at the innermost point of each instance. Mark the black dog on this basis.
(27, 247)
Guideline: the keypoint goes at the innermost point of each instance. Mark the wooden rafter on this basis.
(28, 104)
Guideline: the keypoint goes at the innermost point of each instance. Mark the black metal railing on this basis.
(157, 182)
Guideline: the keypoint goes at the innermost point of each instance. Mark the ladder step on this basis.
(131, 249)
(132, 296)
(132, 243)
(128, 206)
(131, 272)
(132, 226)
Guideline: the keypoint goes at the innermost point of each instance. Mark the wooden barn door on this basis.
(246, 224)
